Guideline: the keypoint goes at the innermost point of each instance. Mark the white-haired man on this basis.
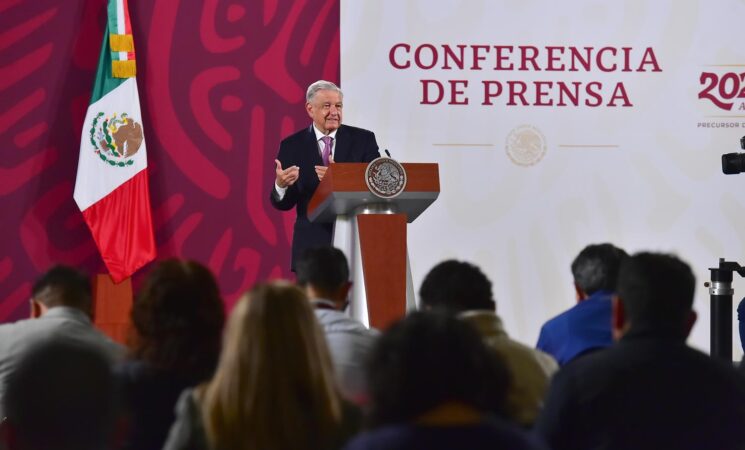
(304, 157)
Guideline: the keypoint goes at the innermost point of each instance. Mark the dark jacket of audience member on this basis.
(462, 289)
(177, 322)
(435, 385)
(61, 309)
(650, 390)
(586, 326)
(274, 387)
(60, 396)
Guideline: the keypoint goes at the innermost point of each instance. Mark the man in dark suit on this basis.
(649, 390)
(304, 157)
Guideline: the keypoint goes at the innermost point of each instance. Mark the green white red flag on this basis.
(111, 188)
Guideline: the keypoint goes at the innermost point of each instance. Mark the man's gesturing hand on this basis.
(286, 177)
(321, 170)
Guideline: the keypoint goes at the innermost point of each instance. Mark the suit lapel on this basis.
(342, 150)
(312, 146)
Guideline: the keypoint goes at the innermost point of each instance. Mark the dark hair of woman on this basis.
(429, 359)
(178, 318)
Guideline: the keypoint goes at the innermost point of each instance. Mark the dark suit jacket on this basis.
(301, 149)
(645, 392)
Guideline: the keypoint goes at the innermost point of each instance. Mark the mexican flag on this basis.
(111, 188)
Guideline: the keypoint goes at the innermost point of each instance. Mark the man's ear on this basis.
(344, 290)
(619, 325)
(308, 108)
(581, 294)
(37, 308)
(310, 291)
(341, 296)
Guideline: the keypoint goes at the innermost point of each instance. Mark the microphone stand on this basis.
(721, 293)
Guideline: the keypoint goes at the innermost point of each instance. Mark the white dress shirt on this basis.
(350, 343)
(319, 135)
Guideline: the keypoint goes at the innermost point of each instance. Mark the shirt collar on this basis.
(67, 312)
(320, 134)
(601, 293)
(655, 332)
(488, 323)
(322, 303)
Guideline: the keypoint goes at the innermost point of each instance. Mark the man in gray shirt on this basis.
(324, 274)
(60, 310)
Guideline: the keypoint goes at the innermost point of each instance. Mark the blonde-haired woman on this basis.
(273, 388)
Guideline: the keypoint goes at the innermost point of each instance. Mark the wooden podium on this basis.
(371, 231)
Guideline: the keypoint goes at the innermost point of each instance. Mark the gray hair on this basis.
(596, 267)
(321, 85)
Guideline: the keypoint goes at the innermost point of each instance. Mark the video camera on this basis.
(733, 163)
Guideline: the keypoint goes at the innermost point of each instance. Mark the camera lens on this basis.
(733, 163)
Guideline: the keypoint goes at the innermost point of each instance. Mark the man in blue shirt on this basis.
(649, 390)
(587, 325)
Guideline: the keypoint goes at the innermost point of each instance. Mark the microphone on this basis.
(387, 152)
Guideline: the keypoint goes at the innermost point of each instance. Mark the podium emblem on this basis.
(385, 177)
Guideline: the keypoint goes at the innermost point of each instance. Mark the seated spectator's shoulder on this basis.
(350, 426)
(552, 328)
(131, 371)
(336, 322)
(547, 362)
(8, 330)
(491, 433)
(187, 431)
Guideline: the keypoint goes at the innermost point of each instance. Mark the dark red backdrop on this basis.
(221, 81)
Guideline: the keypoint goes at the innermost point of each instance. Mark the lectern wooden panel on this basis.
(378, 231)
(383, 245)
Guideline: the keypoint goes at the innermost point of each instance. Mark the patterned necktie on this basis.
(326, 149)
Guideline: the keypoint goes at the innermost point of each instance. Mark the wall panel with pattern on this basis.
(221, 82)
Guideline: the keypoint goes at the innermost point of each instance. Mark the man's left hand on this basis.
(321, 170)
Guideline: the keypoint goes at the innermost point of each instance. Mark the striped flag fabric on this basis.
(111, 188)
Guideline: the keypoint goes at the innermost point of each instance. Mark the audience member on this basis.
(461, 288)
(435, 385)
(324, 274)
(61, 395)
(177, 323)
(274, 386)
(586, 326)
(650, 390)
(61, 309)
